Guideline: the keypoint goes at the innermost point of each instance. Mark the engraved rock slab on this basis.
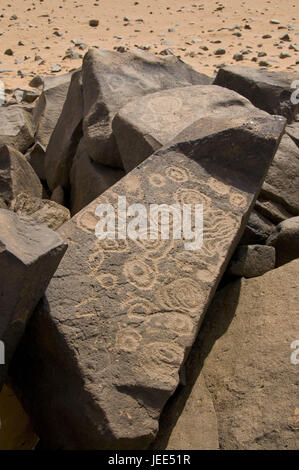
(104, 349)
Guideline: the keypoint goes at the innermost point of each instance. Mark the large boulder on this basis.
(267, 90)
(147, 123)
(42, 211)
(16, 127)
(244, 350)
(66, 136)
(29, 256)
(111, 80)
(16, 175)
(89, 179)
(107, 344)
(285, 239)
(282, 181)
(49, 106)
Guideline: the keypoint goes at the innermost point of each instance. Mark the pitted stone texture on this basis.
(16, 128)
(43, 211)
(29, 256)
(49, 106)
(16, 175)
(147, 123)
(267, 90)
(66, 136)
(106, 345)
(111, 80)
(293, 132)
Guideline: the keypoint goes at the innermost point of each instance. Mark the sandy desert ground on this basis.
(51, 36)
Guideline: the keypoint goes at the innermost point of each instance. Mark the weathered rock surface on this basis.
(36, 157)
(16, 175)
(58, 195)
(49, 106)
(285, 239)
(66, 136)
(273, 211)
(189, 421)
(282, 181)
(89, 179)
(252, 260)
(16, 127)
(106, 345)
(147, 123)
(244, 351)
(42, 211)
(111, 80)
(29, 256)
(270, 91)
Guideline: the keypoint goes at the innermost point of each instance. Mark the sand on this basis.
(46, 30)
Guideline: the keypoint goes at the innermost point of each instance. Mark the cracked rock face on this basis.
(107, 343)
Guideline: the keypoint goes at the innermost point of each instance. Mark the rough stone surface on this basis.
(244, 352)
(285, 239)
(16, 127)
(49, 106)
(29, 256)
(42, 211)
(16, 175)
(89, 179)
(149, 122)
(36, 157)
(66, 136)
(111, 80)
(120, 316)
(270, 91)
(252, 260)
(282, 181)
(189, 421)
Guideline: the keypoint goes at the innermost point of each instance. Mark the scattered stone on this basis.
(238, 57)
(55, 68)
(94, 23)
(285, 239)
(220, 51)
(36, 82)
(284, 55)
(274, 22)
(252, 260)
(30, 254)
(8, 52)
